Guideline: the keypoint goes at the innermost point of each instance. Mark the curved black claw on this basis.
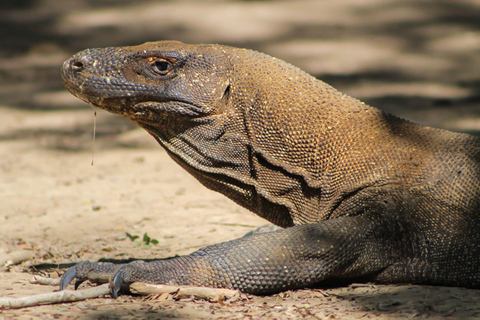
(68, 277)
(117, 285)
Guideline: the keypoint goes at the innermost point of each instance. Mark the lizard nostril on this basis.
(77, 66)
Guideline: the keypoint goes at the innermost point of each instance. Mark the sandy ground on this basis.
(417, 59)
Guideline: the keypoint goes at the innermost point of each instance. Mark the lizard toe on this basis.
(118, 283)
(68, 277)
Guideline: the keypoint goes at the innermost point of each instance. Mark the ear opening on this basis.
(222, 104)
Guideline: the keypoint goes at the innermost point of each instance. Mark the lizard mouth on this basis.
(115, 101)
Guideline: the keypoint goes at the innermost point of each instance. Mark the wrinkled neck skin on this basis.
(215, 149)
(205, 144)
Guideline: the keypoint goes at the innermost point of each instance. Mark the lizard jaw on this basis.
(109, 93)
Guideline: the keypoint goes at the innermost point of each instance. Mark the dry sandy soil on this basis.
(416, 59)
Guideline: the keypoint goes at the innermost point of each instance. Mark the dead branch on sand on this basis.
(178, 292)
(55, 297)
(210, 294)
(45, 281)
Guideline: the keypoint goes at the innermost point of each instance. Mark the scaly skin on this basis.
(361, 194)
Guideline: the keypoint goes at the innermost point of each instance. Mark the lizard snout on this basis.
(72, 66)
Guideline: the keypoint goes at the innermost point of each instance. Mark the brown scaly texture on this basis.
(361, 194)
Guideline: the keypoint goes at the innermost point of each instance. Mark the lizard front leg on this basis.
(260, 263)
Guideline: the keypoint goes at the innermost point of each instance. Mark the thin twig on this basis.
(45, 281)
(54, 297)
(210, 294)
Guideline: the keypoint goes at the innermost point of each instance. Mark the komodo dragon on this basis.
(361, 194)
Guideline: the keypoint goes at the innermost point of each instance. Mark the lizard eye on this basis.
(162, 67)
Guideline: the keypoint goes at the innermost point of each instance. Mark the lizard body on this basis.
(360, 193)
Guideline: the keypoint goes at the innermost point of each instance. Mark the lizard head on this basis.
(146, 83)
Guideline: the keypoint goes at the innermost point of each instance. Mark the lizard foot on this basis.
(97, 272)
(119, 275)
